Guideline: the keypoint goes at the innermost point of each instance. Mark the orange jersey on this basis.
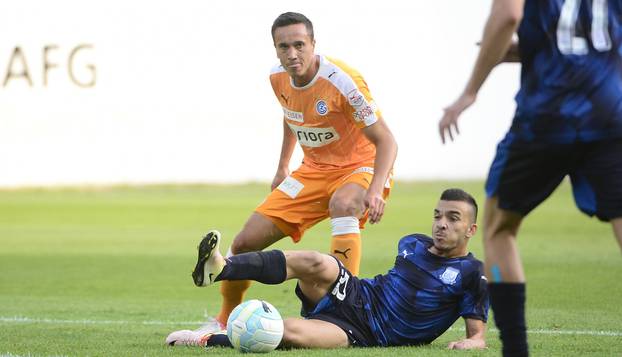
(327, 115)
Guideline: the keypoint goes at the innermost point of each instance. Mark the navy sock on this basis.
(218, 339)
(265, 267)
(508, 305)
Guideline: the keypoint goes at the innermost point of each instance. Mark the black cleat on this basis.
(209, 262)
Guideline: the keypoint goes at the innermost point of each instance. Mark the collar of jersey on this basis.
(426, 251)
(317, 75)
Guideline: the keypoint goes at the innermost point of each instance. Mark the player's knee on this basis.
(345, 207)
(308, 263)
(502, 227)
(315, 262)
(244, 243)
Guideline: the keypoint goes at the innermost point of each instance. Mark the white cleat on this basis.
(186, 338)
(209, 262)
(196, 337)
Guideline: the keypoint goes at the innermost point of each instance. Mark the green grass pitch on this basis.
(106, 272)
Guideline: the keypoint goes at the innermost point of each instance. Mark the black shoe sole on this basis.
(206, 247)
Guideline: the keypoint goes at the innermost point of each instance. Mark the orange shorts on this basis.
(301, 200)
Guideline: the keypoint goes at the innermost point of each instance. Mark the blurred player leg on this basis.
(506, 277)
(503, 263)
(346, 207)
(602, 172)
(258, 233)
(616, 223)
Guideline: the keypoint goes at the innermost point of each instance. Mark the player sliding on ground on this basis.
(433, 282)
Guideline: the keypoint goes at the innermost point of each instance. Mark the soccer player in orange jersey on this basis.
(348, 156)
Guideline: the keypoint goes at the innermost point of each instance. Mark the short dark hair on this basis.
(292, 18)
(456, 194)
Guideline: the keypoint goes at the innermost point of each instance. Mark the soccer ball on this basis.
(255, 326)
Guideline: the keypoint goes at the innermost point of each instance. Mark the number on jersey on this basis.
(567, 41)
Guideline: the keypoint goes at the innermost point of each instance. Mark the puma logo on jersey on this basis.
(344, 253)
(314, 137)
(286, 99)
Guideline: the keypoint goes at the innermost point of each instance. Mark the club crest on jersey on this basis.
(321, 107)
(449, 276)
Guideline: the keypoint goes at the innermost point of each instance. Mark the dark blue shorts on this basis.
(342, 306)
(523, 174)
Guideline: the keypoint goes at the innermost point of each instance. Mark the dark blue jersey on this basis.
(423, 294)
(571, 79)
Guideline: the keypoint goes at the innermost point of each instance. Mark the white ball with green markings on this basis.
(255, 326)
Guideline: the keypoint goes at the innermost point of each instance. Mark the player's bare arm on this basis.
(287, 148)
(513, 53)
(475, 336)
(386, 151)
(503, 21)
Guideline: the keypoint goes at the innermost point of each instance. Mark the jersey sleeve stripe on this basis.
(342, 77)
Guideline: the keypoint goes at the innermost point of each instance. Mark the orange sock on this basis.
(346, 242)
(232, 294)
(347, 248)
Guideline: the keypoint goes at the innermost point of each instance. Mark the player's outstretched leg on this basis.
(209, 262)
(315, 272)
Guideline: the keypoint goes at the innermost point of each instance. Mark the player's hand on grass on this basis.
(467, 344)
(375, 205)
(280, 175)
(449, 122)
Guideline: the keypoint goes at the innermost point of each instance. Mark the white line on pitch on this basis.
(560, 332)
(21, 319)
